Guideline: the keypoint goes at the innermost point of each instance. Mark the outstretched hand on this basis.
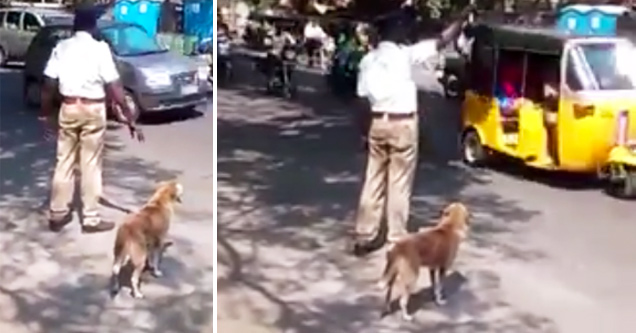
(136, 133)
(50, 129)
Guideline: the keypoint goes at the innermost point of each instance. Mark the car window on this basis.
(2, 16)
(30, 22)
(13, 20)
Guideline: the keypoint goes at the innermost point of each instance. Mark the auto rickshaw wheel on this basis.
(473, 151)
(623, 184)
(629, 185)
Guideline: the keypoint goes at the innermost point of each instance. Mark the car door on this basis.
(29, 26)
(11, 32)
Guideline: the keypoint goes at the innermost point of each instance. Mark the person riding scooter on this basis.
(280, 62)
(224, 64)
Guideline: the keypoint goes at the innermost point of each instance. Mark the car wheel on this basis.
(473, 151)
(32, 93)
(3, 57)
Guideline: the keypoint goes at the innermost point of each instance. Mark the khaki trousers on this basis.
(80, 139)
(389, 177)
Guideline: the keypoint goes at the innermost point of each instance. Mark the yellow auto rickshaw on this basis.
(553, 101)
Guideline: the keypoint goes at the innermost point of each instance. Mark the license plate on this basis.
(189, 89)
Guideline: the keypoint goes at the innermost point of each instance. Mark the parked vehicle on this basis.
(19, 25)
(553, 101)
(154, 78)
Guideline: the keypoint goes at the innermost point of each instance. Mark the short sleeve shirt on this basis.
(82, 66)
(385, 75)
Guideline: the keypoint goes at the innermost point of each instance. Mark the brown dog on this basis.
(141, 239)
(434, 247)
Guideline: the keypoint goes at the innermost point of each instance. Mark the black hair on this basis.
(395, 26)
(85, 19)
(392, 31)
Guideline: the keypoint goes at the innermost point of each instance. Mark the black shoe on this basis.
(102, 226)
(56, 225)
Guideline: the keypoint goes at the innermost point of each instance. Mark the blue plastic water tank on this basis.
(588, 20)
(198, 18)
(142, 12)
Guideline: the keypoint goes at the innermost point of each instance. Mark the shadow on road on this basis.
(288, 181)
(57, 282)
(170, 116)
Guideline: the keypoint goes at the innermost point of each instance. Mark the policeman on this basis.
(83, 71)
(390, 120)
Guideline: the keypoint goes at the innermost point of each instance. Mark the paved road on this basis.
(548, 253)
(56, 283)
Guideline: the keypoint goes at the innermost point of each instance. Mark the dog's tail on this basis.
(389, 270)
(120, 257)
(388, 280)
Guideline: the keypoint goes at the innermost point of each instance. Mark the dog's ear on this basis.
(447, 211)
(176, 191)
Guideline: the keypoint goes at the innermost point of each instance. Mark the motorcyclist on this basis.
(223, 50)
(278, 55)
(223, 39)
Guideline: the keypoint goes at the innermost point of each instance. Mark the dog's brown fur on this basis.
(141, 239)
(434, 247)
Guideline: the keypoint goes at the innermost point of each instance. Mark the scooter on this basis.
(279, 70)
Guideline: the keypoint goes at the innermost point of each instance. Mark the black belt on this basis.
(82, 100)
(392, 116)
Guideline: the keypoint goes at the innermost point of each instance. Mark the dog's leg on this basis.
(114, 277)
(432, 273)
(154, 259)
(438, 275)
(404, 303)
(138, 262)
(388, 298)
(135, 282)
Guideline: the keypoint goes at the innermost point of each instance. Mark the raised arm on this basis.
(452, 32)
(424, 51)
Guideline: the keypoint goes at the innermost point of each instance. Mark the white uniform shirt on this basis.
(385, 76)
(314, 31)
(82, 66)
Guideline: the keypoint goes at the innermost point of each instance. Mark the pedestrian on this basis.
(389, 94)
(83, 71)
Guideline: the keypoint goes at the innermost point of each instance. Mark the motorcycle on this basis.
(278, 70)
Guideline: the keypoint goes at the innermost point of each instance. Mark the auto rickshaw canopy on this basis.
(524, 38)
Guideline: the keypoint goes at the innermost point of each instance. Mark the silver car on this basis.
(155, 78)
(18, 26)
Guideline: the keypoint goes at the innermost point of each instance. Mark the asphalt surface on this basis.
(57, 283)
(547, 252)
